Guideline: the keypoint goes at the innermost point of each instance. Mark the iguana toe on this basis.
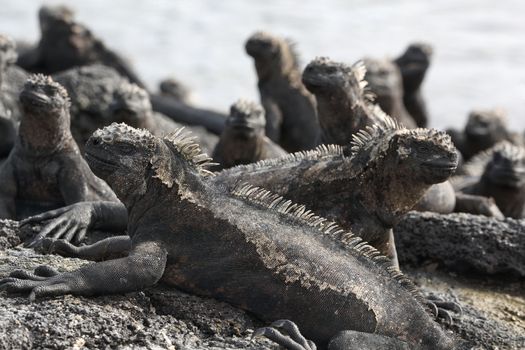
(294, 340)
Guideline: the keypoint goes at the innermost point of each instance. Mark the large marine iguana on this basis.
(384, 80)
(65, 43)
(389, 169)
(343, 106)
(413, 64)
(291, 118)
(248, 247)
(497, 173)
(243, 141)
(483, 130)
(45, 169)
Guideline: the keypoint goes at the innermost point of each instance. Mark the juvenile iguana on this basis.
(497, 173)
(243, 141)
(65, 43)
(389, 169)
(291, 119)
(45, 169)
(248, 247)
(413, 64)
(385, 82)
(343, 106)
(483, 130)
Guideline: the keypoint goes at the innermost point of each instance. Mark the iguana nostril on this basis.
(96, 141)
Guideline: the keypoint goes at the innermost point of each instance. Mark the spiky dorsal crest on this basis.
(294, 52)
(350, 243)
(359, 71)
(184, 145)
(319, 153)
(373, 135)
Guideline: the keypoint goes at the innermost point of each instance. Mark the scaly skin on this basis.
(497, 173)
(291, 119)
(45, 170)
(413, 64)
(243, 141)
(343, 107)
(389, 169)
(247, 247)
(65, 43)
(483, 130)
(384, 80)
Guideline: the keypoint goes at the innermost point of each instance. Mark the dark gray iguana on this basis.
(65, 43)
(343, 106)
(413, 64)
(497, 174)
(243, 140)
(45, 169)
(247, 247)
(483, 130)
(291, 119)
(389, 170)
(385, 82)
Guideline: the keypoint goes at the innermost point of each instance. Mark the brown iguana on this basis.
(343, 105)
(413, 64)
(389, 169)
(291, 119)
(45, 169)
(385, 82)
(248, 247)
(243, 140)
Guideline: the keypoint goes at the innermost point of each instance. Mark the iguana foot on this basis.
(44, 281)
(441, 307)
(293, 341)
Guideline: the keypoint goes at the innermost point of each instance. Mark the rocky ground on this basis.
(162, 318)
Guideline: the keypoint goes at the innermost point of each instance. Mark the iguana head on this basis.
(413, 64)
(8, 55)
(130, 160)
(130, 105)
(246, 120)
(51, 16)
(43, 97)
(273, 56)
(506, 167)
(384, 80)
(174, 88)
(323, 76)
(424, 156)
(486, 127)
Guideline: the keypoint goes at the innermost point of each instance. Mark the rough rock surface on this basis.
(462, 242)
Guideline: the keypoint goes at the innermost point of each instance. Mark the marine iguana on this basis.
(497, 173)
(131, 105)
(343, 106)
(248, 247)
(65, 43)
(291, 118)
(483, 130)
(389, 169)
(45, 169)
(243, 141)
(175, 89)
(413, 64)
(384, 80)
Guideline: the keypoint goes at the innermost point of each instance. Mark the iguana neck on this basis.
(44, 134)
(510, 200)
(340, 119)
(242, 151)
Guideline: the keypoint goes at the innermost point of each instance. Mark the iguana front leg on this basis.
(142, 268)
(106, 249)
(345, 340)
(477, 205)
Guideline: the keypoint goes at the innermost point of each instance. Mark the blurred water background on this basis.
(479, 45)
